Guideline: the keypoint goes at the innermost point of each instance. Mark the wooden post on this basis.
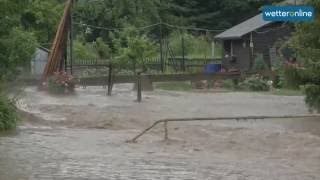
(183, 53)
(134, 67)
(66, 62)
(139, 88)
(110, 83)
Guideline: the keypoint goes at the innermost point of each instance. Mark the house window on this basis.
(228, 47)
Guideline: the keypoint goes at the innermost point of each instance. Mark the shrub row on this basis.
(8, 114)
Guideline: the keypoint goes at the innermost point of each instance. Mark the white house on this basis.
(39, 61)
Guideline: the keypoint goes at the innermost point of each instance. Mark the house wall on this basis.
(241, 55)
(263, 39)
(267, 38)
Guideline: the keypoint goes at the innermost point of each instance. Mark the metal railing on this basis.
(166, 121)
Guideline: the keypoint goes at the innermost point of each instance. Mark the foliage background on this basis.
(306, 42)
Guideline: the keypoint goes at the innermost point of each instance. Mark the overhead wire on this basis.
(193, 28)
(149, 26)
(114, 29)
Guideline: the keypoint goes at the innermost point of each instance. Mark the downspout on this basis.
(213, 49)
(251, 51)
(231, 48)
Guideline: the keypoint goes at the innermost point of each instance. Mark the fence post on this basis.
(139, 88)
(161, 48)
(63, 65)
(110, 83)
(66, 62)
(183, 53)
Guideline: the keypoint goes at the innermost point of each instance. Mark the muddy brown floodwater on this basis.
(84, 137)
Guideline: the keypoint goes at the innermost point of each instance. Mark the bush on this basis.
(312, 99)
(259, 64)
(61, 83)
(229, 84)
(289, 75)
(255, 83)
(16, 50)
(8, 114)
(195, 46)
(278, 81)
(292, 76)
(84, 51)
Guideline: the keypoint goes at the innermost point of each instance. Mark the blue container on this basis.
(212, 68)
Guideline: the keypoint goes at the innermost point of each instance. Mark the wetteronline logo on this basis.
(288, 13)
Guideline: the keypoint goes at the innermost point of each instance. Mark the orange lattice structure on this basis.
(59, 46)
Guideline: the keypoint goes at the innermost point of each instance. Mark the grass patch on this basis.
(186, 86)
(174, 86)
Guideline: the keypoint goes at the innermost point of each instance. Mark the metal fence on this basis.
(169, 64)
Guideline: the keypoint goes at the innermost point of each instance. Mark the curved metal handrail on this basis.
(165, 121)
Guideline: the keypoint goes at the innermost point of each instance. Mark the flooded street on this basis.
(84, 137)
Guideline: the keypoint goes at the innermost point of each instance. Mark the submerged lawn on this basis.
(186, 86)
(174, 86)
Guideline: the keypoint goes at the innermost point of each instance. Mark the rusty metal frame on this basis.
(59, 44)
(166, 121)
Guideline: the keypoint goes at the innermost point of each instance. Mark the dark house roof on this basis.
(251, 24)
(243, 28)
(43, 49)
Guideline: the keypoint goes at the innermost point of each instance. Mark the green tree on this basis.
(16, 44)
(113, 13)
(83, 50)
(21, 45)
(23, 24)
(42, 17)
(215, 14)
(306, 43)
(134, 49)
(102, 49)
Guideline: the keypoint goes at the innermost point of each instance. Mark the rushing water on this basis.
(242, 152)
